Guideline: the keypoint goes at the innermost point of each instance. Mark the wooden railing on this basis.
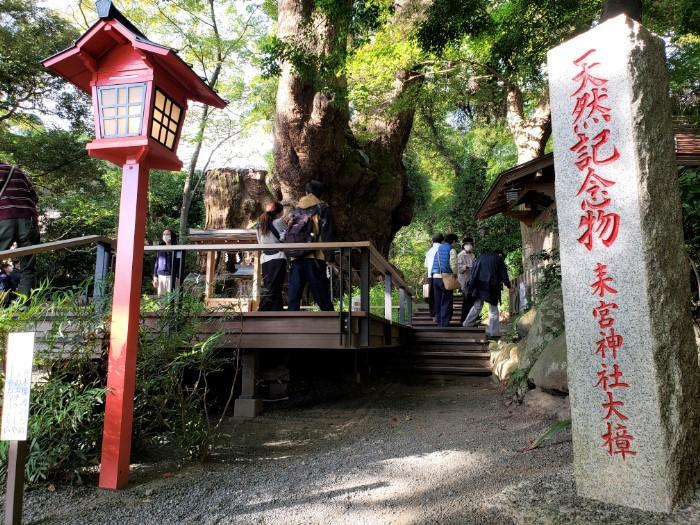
(348, 253)
(354, 261)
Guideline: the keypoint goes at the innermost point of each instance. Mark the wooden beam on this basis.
(55, 245)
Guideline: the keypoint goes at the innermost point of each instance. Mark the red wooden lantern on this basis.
(139, 91)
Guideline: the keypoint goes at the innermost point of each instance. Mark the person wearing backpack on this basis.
(488, 276)
(271, 229)
(312, 221)
(19, 220)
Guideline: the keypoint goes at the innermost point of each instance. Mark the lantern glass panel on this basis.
(121, 110)
(166, 120)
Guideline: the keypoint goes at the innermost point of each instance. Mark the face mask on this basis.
(468, 247)
(166, 238)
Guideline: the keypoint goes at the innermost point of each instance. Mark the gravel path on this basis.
(388, 454)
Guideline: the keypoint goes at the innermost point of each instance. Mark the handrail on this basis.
(255, 247)
(55, 245)
(377, 259)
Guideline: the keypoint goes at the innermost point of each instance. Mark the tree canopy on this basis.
(465, 80)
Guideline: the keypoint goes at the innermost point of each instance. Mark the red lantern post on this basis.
(140, 91)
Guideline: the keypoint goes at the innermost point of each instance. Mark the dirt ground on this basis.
(439, 452)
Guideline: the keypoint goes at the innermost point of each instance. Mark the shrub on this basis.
(174, 402)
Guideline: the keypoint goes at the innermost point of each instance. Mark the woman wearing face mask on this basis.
(465, 261)
(163, 266)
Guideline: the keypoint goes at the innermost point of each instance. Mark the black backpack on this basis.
(301, 230)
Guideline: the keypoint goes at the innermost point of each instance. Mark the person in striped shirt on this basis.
(19, 220)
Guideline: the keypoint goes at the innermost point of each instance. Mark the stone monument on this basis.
(633, 368)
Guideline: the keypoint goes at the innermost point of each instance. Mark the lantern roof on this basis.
(78, 62)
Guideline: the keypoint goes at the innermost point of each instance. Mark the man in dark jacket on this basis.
(488, 276)
(311, 269)
(19, 220)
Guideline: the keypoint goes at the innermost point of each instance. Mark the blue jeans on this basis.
(443, 302)
(313, 273)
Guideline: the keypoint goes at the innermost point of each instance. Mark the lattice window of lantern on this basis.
(166, 120)
(121, 110)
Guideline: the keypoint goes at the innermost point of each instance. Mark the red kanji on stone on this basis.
(596, 106)
(610, 380)
(602, 313)
(605, 226)
(598, 202)
(601, 286)
(593, 183)
(618, 443)
(602, 139)
(584, 77)
(612, 407)
(611, 341)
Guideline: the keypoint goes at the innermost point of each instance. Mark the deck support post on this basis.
(409, 310)
(388, 306)
(247, 405)
(364, 297)
(402, 305)
(103, 261)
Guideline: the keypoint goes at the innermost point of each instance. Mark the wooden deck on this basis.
(299, 330)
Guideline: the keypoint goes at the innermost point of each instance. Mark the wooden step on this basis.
(443, 361)
(477, 346)
(450, 339)
(456, 354)
(451, 329)
(448, 370)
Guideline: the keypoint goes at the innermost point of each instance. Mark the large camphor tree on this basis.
(319, 134)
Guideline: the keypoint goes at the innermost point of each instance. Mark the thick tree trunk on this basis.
(366, 184)
(530, 134)
(234, 198)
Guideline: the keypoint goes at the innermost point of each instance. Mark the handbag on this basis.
(449, 280)
(426, 290)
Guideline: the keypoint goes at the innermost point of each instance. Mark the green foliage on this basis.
(174, 402)
(66, 406)
(548, 434)
(515, 34)
(28, 34)
(466, 17)
(448, 171)
(518, 383)
(549, 272)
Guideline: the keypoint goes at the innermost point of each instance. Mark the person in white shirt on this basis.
(428, 263)
(271, 230)
(465, 261)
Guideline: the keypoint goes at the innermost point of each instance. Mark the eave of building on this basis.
(527, 174)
